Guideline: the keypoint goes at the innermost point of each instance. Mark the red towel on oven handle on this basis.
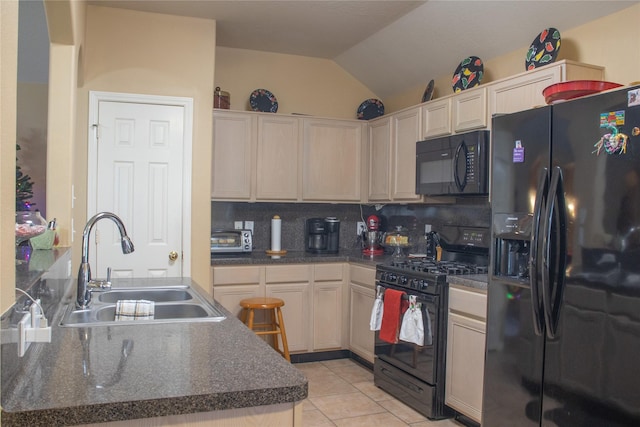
(394, 308)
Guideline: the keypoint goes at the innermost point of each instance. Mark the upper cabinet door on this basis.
(332, 157)
(233, 142)
(436, 118)
(277, 158)
(470, 110)
(379, 156)
(406, 132)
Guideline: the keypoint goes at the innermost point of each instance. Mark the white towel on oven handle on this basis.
(412, 329)
(376, 311)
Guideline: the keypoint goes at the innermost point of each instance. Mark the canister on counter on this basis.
(221, 99)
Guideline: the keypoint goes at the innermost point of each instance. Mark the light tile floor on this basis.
(342, 393)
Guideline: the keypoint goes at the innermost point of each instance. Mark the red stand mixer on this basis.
(372, 237)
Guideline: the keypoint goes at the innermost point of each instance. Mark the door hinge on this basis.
(96, 131)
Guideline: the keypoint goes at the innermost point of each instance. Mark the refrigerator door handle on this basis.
(536, 302)
(553, 281)
(460, 183)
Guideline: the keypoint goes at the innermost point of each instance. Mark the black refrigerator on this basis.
(563, 319)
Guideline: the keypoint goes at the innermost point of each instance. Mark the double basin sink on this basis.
(179, 303)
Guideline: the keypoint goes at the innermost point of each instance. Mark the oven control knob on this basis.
(423, 284)
(392, 277)
(403, 280)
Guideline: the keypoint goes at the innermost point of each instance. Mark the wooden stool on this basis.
(274, 327)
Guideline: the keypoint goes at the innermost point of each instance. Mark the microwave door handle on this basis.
(460, 184)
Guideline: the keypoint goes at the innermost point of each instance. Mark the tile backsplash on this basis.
(469, 212)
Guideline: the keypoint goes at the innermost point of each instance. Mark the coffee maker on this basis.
(322, 235)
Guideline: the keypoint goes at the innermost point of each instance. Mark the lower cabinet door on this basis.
(296, 297)
(362, 339)
(465, 365)
(327, 315)
(231, 295)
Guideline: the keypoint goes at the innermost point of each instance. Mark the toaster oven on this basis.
(231, 241)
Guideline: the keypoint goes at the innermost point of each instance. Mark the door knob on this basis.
(173, 255)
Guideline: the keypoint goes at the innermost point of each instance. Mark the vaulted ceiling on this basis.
(390, 46)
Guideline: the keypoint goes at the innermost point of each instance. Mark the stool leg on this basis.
(283, 335)
(251, 314)
(243, 315)
(274, 327)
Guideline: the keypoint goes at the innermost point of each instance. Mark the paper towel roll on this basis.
(276, 229)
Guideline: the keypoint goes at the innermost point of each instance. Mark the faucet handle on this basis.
(101, 284)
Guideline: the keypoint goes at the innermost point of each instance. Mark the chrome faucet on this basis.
(85, 284)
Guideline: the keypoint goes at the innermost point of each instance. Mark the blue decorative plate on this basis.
(263, 100)
(370, 109)
(468, 74)
(428, 92)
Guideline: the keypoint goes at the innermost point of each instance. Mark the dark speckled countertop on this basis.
(297, 257)
(110, 373)
(476, 281)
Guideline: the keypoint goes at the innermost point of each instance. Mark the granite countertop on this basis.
(298, 257)
(110, 373)
(476, 281)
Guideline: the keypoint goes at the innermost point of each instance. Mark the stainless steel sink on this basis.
(171, 304)
(156, 295)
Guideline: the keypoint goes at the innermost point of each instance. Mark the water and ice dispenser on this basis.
(512, 234)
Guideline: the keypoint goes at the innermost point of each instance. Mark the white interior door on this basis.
(139, 175)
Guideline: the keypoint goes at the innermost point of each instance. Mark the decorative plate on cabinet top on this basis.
(544, 49)
(370, 109)
(468, 74)
(264, 101)
(428, 92)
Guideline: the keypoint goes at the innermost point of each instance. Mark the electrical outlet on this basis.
(237, 225)
(248, 225)
(427, 228)
(361, 227)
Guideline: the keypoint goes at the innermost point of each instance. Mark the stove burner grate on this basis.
(439, 267)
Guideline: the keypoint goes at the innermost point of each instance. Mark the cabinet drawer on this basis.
(363, 275)
(288, 273)
(468, 302)
(236, 275)
(326, 272)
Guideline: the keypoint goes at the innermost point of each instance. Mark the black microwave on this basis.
(453, 165)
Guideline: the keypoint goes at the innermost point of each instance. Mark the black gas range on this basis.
(423, 274)
(416, 374)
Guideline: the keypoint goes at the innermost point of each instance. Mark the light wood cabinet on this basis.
(406, 132)
(315, 297)
(292, 284)
(470, 110)
(278, 151)
(380, 159)
(234, 283)
(436, 118)
(524, 90)
(234, 140)
(392, 156)
(362, 295)
(332, 160)
(456, 113)
(269, 157)
(466, 330)
(328, 306)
